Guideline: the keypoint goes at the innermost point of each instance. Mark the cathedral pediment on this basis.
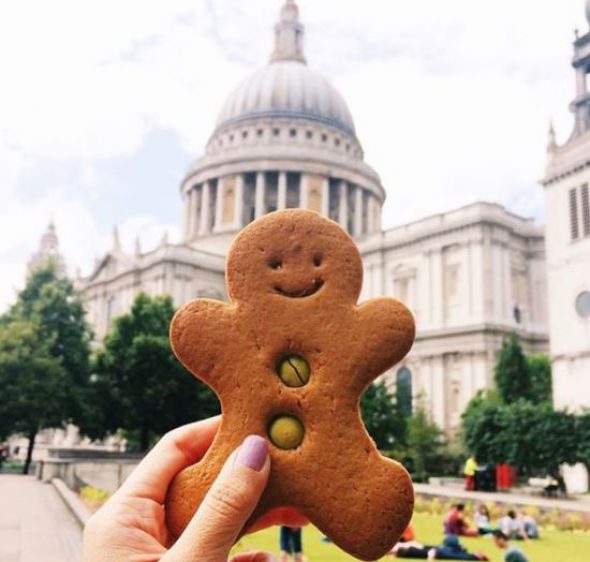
(111, 265)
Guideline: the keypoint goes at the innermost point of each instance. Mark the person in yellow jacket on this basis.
(469, 473)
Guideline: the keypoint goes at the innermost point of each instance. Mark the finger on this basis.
(254, 557)
(176, 450)
(227, 506)
(287, 516)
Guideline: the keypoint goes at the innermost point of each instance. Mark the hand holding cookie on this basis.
(289, 358)
(131, 525)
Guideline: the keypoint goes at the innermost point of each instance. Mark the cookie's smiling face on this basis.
(294, 255)
(295, 275)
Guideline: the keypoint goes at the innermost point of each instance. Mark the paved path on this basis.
(574, 504)
(35, 524)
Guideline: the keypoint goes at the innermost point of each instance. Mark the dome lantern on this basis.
(289, 35)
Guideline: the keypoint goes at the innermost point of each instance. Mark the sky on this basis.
(105, 104)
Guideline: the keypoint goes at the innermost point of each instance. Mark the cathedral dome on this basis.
(287, 88)
(285, 138)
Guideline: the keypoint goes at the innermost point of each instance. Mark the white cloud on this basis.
(148, 230)
(451, 99)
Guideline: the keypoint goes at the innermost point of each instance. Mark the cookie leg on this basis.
(367, 515)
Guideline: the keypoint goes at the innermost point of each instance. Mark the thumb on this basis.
(227, 506)
(254, 557)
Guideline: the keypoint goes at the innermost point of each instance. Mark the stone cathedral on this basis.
(286, 138)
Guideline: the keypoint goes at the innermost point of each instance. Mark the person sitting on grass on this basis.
(455, 524)
(482, 520)
(512, 554)
(512, 526)
(529, 525)
(450, 549)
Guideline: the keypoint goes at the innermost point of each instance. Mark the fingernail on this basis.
(253, 452)
(265, 557)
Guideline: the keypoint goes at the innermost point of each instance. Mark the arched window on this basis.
(403, 392)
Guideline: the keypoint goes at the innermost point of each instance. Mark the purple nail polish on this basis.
(253, 452)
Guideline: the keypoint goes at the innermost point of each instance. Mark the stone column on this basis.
(260, 189)
(239, 201)
(437, 303)
(581, 91)
(326, 197)
(205, 204)
(282, 191)
(343, 206)
(439, 394)
(581, 82)
(507, 285)
(470, 278)
(304, 191)
(186, 210)
(358, 211)
(219, 205)
(194, 223)
(370, 213)
(191, 210)
(377, 211)
(489, 312)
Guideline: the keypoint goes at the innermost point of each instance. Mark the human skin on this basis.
(131, 526)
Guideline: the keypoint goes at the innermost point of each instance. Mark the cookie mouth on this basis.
(315, 287)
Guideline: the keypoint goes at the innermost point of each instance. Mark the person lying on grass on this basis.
(451, 549)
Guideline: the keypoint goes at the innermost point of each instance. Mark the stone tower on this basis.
(48, 250)
(566, 182)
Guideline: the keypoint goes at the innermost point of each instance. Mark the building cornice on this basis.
(436, 226)
(173, 254)
(482, 329)
(568, 160)
(571, 356)
(276, 158)
(254, 117)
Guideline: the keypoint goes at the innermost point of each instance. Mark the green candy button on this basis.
(294, 371)
(286, 432)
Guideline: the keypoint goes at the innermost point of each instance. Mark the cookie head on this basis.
(294, 255)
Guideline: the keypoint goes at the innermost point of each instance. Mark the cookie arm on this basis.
(199, 334)
(386, 331)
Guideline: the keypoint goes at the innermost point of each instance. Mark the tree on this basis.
(34, 383)
(425, 443)
(523, 434)
(583, 437)
(512, 375)
(482, 427)
(54, 316)
(539, 367)
(381, 417)
(139, 386)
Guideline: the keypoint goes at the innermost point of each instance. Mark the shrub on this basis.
(93, 497)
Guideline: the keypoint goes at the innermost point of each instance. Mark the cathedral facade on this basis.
(286, 138)
(567, 195)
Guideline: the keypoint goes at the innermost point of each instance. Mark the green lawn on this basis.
(554, 546)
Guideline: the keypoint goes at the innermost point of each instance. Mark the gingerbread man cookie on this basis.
(289, 358)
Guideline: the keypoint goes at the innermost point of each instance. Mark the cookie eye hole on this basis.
(317, 260)
(275, 263)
